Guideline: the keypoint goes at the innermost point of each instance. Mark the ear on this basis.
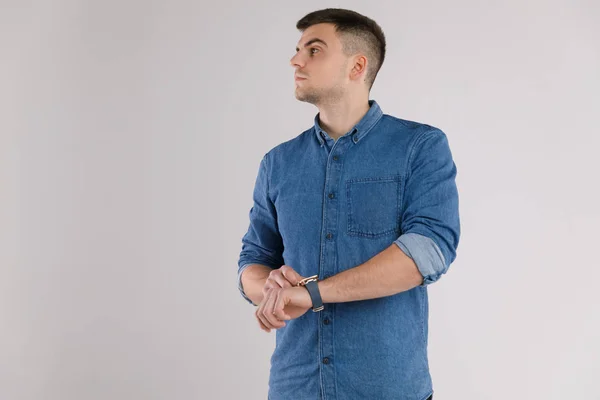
(359, 68)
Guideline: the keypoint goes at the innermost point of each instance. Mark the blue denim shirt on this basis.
(324, 206)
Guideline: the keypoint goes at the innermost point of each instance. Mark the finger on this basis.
(281, 280)
(270, 282)
(291, 275)
(259, 315)
(277, 279)
(268, 286)
(273, 320)
(278, 308)
(260, 323)
(262, 326)
(265, 311)
(268, 312)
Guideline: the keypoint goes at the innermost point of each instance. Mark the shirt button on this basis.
(326, 360)
(335, 158)
(326, 321)
(329, 236)
(355, 139)
(331, 195)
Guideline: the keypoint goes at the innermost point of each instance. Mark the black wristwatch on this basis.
(310, 284)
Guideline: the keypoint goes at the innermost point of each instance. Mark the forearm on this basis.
(253, 280)
(387, 273)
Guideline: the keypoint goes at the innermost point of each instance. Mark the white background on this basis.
(130, 138)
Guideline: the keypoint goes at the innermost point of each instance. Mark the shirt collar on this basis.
(359, 130)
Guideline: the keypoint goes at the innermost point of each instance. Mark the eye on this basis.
(313, 48)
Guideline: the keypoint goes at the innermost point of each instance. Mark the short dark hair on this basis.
(358, 33)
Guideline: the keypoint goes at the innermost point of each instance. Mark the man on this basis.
(366, 204)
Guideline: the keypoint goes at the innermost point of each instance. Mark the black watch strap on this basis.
(310, 284)
(315, 295)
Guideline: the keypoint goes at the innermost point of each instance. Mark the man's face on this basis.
(320, 60)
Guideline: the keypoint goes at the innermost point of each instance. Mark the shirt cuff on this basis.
(425, 253)
(240, 287)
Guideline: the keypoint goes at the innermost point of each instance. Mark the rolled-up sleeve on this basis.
(430, 223)
(262, 243)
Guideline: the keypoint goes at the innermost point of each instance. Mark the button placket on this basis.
(329, 257)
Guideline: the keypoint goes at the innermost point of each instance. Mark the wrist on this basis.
(306, 300)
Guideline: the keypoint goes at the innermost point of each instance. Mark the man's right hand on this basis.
(282, 277)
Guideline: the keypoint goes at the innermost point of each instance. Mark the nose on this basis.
(296, 60)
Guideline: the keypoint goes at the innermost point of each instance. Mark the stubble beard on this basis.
(320, 96)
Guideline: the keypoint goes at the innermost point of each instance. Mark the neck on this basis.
(338, 118)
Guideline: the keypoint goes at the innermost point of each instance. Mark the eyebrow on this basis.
(311, 41)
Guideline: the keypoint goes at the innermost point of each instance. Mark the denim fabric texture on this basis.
(323, 206)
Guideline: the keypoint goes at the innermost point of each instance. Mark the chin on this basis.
(305, 97)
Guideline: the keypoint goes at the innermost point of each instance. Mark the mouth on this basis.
(297, 78)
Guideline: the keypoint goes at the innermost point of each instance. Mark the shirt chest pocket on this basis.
(373, 205)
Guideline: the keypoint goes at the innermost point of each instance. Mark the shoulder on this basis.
(413, 129)
(291, 147)
(419, 138)
(416, 134)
